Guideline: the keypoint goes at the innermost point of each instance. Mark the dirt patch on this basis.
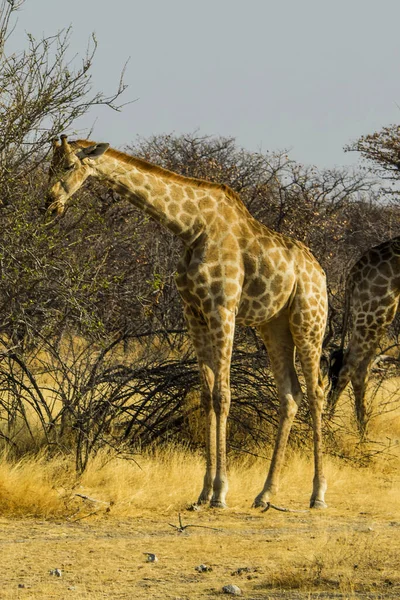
(270, 555)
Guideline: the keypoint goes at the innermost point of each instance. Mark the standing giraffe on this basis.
(372, 296)
(233, 270)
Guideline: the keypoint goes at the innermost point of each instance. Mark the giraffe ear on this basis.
(93, 151)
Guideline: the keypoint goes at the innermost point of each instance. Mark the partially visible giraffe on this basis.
(234, 270)
(372, 297)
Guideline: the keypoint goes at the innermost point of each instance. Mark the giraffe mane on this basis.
(156, 169)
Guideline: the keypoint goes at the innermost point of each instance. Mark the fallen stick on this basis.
(181, 528)
(282, 509)
(84, 497)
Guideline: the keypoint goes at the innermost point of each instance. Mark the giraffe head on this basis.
(71, 165)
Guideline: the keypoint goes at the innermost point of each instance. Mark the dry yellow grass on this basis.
(350, 550)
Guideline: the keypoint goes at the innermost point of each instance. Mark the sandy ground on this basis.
(317, 554)
(350, 550)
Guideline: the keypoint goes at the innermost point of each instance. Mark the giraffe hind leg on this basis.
(315, 396)
(307, 337)
(349, 365)
(336, 365)
(359, 380)
(280, 346)
(359, 377)
(356, 368)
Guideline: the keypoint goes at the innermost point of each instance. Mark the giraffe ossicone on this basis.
(234, 270)
(371, 300)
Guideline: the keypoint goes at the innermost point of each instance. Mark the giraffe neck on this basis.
(172, 202)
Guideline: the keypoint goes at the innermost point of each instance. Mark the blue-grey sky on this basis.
(309, 76)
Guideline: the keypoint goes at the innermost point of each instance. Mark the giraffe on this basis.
(233, 270)
(372, 296)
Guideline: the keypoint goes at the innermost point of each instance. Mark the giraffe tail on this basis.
(335, 366)
(337, 357)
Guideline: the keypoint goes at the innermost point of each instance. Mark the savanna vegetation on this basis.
(94, 352)
(95, 532)
(99, 390)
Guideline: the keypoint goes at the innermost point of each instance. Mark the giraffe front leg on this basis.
(207, 377)
(222, 340)
(199, 334)
(213, 340)
(220, 484)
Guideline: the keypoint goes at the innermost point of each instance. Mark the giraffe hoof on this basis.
(203, 499)
(259, 504)
(218, 504)
(318, 504)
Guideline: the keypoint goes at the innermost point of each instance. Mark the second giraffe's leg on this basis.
(278, 340)
(199, 334)
(349, 366)
(360, 352)
(359, 379)
(356, 366)
(366, 340)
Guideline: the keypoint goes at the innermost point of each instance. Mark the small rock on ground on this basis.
(203, 569)
(56, 572)
(234, 590)
(151, 557)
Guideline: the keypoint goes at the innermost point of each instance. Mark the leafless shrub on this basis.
(42, 92)
(79, 397)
